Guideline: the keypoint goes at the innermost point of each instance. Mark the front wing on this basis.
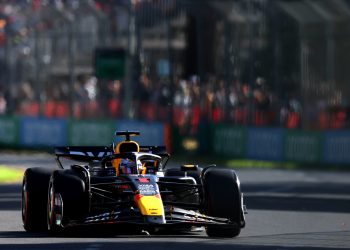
(173, 217)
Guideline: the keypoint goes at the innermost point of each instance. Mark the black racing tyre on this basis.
(222, 198)
(67, 199)
(34, 198)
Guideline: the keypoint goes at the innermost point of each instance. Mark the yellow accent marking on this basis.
(144, 168)
(116, 162)
(151, 205)
(117, 149)
(116, 165)
(189, 166)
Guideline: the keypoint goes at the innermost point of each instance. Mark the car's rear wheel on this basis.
(34, 198)
(67, 200)
(222, 198)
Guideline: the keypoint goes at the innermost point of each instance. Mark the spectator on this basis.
(262, 106)
(323, 115)
(196, 113)
(3, 104)
(164, 100)
(114, 92)
(232, 102)
(219, 103)
(27, 105)
(81, 97)
(294, 114)
(143, 97)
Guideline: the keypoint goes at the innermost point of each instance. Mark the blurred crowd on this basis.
(186, 103)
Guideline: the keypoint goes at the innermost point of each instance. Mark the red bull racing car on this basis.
(128, 185)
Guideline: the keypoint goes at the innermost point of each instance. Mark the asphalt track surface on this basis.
(287, 209)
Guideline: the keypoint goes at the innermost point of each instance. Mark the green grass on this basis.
(244, 163)
(247, 163)
(232, 163)
(10, 175)
(241, 163)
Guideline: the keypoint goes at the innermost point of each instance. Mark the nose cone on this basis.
(155, 219)
(151, 207)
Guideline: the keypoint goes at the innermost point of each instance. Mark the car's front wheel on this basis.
(222, 198)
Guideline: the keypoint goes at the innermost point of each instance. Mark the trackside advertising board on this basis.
(302, 146)
(282, 144)
(265, 144)
(38, 132)
(34, 132)
(221, 140)
(337, 147)
(152, 133)
(9, 131)
(91, 133)
(229, 141)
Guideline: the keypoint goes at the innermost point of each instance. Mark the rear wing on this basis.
(97, 153)
(83, 153)
(157, 150)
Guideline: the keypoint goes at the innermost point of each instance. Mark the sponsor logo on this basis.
(147, 189)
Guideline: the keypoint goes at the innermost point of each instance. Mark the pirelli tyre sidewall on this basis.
(69, 189)
(222, 198)
(34, 198)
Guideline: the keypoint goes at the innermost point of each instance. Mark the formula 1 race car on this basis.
(127, 185)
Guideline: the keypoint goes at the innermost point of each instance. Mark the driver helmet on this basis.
(127, 166)
(139, 167)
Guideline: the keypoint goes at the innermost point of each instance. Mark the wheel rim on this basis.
(50, 202)
(54, 201)
(24, 202)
